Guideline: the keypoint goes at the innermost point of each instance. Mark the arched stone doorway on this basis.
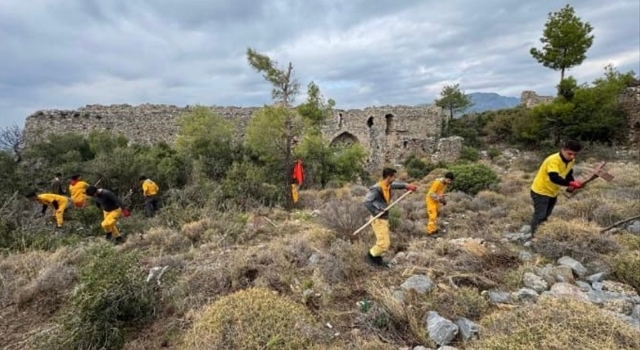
(344, 138)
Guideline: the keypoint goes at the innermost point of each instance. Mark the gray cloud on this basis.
(360, 52)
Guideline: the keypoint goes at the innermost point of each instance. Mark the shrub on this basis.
(463, 302)
(416, 167)
(344, 216)
(493, 153)
(473, 178)
(576, 239)
(469, 154)
(254, 318)
(626, 267)
(112, 298)
(584, 326)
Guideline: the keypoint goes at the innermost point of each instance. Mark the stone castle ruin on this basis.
(530, 99)
(389, 133)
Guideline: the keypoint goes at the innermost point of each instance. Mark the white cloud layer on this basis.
(69, 53)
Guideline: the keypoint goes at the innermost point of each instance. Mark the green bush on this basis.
(112, 299)
(473, 178)
(469, 154)
(493, 153)
(416, 167)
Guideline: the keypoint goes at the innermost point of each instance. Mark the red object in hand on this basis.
(411, 187)
(575, 184)
(126, 212)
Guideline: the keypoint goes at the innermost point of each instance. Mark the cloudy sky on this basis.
(64, 54)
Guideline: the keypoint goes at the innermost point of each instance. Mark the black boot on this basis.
(108, 236)
(118, 240)
(376, 260)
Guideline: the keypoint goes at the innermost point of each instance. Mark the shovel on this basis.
(381, 213)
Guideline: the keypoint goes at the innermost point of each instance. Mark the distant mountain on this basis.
(490, 101)
(486, 101)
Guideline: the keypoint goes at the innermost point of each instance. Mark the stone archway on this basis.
(344, 138)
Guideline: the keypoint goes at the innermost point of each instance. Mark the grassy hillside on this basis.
(264, 278)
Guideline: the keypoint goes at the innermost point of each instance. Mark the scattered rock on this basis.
(568, 290)
(636, 312)
(420, 283)
(575, 265)
(534, 282)
(441, 330)
(497, 297)
(634, 227)
(526, 295)
(468, 329)
(447, 348)
(525, 256)
(421, 348)
(596, 277)
(584, 286)
(564, 273)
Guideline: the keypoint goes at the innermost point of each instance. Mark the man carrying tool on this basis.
(555, 171)
(435, 198)
(112, 208)
(77, 189)
(376, 201)
(150, 191)
(56, 185)
(57, 202)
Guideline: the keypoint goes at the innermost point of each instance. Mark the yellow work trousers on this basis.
(432, 214)
(59, 213)
(109, 222)
(381, 230)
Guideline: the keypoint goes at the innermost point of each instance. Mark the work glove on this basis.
(411, 187)
(126, 212)
(575, 184)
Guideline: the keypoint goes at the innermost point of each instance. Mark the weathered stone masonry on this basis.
(388, 133)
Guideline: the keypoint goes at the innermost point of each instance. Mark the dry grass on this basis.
(578, 239)
(556, 324)
(626, 268)
(452, 303)
(344, 216)
(254, 318)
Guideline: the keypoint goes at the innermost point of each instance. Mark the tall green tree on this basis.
(565, 40)
(285, 87)
(315, 110)
(453, 100)
(208, 139)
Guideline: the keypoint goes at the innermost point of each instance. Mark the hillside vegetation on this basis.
(230, 263)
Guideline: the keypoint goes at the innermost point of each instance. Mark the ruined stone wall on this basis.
(530, 99)
(144, 124)
(630, 100)
(388, 133)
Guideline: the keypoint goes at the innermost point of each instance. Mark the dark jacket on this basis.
(374, 200)
(107, 200)
(56, 187)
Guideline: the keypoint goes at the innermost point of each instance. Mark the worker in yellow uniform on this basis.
(435, 198)
(376, 201)
(77, 189)
(555, 171)
(112, 208)
(150, 192)
(57, 202)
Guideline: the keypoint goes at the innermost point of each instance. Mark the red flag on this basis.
(298, 172)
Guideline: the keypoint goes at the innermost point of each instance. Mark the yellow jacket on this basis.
(542, 183)
(149, 188)
(437, 187)
(76, 191)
